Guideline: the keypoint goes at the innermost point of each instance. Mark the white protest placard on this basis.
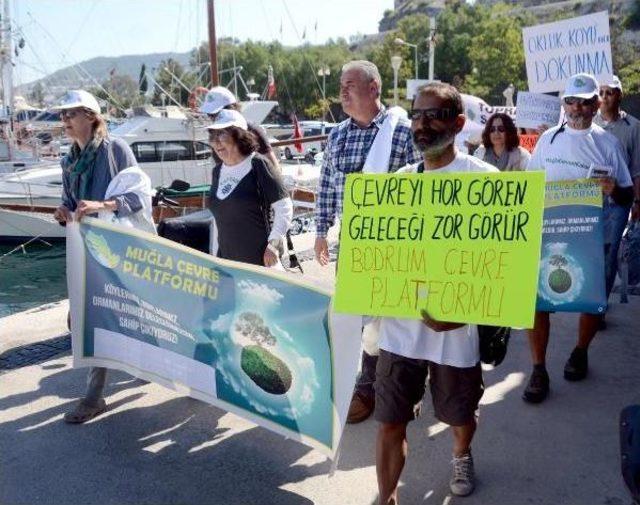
(556, 51)
(535, 109)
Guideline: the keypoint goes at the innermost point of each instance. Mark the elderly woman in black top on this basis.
(245, 191)
(501, 144)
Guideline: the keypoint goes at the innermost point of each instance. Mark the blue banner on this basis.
(572, 275)
(248, 339)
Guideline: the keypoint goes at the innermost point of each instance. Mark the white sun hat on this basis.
(581, 86)
(227, 118)
(613, 83)
(217, 99)
(78, 98)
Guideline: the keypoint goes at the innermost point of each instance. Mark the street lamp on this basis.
(401, 42)
(396, 61)
(432, 45)
(324, 71)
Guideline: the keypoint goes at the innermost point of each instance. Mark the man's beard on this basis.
(433, 143)
(579, 121)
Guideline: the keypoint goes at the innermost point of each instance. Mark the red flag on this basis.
(271, 84)
(297, 134)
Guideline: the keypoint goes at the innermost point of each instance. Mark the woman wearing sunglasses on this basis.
(501, 144)
(245, 191)
(100, 177)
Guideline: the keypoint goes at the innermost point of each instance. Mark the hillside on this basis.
(99, 68)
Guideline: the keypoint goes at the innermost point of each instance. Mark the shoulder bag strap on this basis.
(113, 167)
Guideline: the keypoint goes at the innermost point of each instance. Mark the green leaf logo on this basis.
(100, 250)
(579, 83)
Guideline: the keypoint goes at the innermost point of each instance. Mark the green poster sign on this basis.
(463, 246)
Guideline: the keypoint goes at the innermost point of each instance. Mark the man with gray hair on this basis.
(372, 139)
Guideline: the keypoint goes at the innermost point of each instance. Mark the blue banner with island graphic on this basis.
(253, 341)
(572, 275)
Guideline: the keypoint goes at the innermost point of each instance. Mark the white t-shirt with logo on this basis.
(573, 152)
(231, 175)
(410, 337)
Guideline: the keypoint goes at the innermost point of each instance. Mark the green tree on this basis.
(498, 57)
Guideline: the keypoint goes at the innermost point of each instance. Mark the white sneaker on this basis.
(463, 481)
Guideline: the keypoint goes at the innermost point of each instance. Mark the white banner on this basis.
(556, 51)
(536, 109)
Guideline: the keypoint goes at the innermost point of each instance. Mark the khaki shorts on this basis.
(400, 386)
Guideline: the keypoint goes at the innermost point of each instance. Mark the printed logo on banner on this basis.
(100, 250)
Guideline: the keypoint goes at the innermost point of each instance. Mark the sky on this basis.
(59, 33)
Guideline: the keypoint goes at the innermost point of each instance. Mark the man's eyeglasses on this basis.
(497, 129)
(432, 114)
(573, 100)
(607, 92)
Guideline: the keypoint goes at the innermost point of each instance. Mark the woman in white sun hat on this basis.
(220, 98)
(99, 177)
(245, 190)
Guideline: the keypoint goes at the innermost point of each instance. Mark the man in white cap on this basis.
(626, 129)
(220, 98)
(568, 152)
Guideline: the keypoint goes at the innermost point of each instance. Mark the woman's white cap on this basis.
(217, 99)
(227, 118)
(78, 98)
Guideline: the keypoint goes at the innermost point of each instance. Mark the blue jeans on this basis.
(615, 220)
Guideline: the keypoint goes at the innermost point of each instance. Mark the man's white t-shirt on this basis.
(411, 338)
(572, 153)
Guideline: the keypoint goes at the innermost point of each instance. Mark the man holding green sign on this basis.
(434, 253)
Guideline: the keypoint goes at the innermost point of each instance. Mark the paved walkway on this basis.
(155, 446)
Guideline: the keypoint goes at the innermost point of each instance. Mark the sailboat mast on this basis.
(213, 56)
(6, 51)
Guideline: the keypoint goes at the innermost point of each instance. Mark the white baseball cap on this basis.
(613, 83)
(581, 86)
(217, 99)
(78, 98)
(227, 118)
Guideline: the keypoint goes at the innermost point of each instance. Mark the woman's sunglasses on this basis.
(607, 92)
(215, 135)
(497, 129)
(71, 113)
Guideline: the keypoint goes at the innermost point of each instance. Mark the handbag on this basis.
(493, 343)
(294, 263)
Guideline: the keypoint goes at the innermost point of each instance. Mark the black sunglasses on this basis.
(432, 114)
(607, 92)
(497, 129)
(572, 100)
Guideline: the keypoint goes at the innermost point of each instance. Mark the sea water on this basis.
(31, 277)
